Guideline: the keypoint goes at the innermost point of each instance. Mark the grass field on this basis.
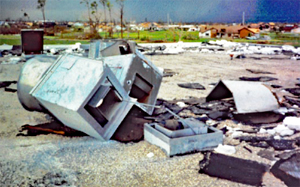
(150, 37)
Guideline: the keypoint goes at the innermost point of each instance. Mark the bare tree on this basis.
(26, 16)
(109, 7)
(41, 6)
(103, 2)
(94, 16)
(87, 4)
(121, 4)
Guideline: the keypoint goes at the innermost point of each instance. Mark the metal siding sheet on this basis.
(251, 97)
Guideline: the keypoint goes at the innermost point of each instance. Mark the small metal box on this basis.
(32, 41)
(185, 143)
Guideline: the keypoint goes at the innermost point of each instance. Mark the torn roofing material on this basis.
(249, 97)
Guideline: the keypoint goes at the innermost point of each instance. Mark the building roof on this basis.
(254, 31)
(234, 29)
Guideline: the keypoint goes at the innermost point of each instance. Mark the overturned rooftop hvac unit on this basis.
(103, 96)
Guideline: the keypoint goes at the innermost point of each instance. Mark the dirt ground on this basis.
(54, 160)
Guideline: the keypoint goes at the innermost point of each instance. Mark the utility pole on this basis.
(243, 18)
(168, 19)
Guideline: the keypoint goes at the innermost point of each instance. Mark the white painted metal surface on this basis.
(249, 97)
(69, 85)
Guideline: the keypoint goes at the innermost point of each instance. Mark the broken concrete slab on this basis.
(249, 97)
(282, 144)
(233, 169)
(288, 170)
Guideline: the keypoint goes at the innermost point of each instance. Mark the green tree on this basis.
(87, 4)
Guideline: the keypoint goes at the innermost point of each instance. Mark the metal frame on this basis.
(66, 98)
(181, 145)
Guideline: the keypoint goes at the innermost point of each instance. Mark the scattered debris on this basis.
(10, 90)
(150, 155)
(292, 123)
(282, 144)
(275, 86)
(259, 71)
(288, 170)
(283, 130)
(260, 79)
(270, 155)
(249, 150)
(266, 141)
(292, 100)
(196, 86)
(225, 149)
(53, 127)
(5, 84)
(16, 50)
(169, 73)
(294, 91)
(233, 169)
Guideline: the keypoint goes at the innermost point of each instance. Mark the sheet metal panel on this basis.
(249, 97)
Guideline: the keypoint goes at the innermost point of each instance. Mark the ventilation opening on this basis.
(124, 49)
(140, 89)
(103, 104)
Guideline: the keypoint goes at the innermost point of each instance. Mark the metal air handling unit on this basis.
(101, 97)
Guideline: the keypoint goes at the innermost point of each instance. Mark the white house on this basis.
(210, 33)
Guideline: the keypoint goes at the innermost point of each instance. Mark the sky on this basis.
(157, 10)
